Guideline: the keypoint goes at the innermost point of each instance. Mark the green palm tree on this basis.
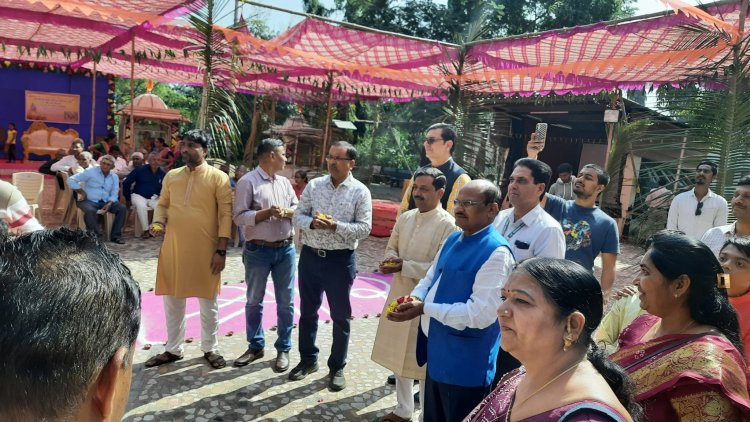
(715, 114)
(222, 108)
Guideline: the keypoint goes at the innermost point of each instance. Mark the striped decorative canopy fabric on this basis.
(301, 63)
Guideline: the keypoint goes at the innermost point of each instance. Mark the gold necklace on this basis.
(507, 415)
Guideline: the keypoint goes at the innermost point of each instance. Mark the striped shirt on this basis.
(15, 211)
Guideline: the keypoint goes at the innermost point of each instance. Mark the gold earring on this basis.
(567, 343)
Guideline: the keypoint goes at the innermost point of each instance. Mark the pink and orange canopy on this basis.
(366, 65)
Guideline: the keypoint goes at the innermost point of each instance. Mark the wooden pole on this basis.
(93, 102)
(250, 145)
(372, 142)
(679, 165)
(296, 146)
(327, 127)
(610, 132)
(132, 94)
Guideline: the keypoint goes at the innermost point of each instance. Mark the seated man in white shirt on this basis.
(70, 160)
(461, 293)
(527, 227)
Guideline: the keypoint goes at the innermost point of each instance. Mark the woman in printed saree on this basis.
(684, 355)
(550, 309)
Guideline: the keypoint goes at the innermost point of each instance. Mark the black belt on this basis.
(279, 244)
(328, 253)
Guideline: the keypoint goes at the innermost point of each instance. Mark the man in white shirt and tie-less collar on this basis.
(715, 237)
(527, 227)
(696, 211)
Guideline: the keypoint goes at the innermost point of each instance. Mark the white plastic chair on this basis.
(31, 185)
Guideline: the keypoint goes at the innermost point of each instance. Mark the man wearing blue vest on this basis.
(458, 316)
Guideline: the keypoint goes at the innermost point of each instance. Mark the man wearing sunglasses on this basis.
(696, 211)
(439, 144)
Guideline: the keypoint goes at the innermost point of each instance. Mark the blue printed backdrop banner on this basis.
(15, 82)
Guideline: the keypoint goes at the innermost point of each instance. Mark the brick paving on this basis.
(190, 390)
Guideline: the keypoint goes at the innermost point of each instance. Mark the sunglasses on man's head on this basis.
(430, 141)
(698, 209)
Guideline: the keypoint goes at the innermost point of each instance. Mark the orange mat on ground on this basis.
(383, 217)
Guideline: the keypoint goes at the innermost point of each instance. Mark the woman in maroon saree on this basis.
(685, 355)
(550, 309)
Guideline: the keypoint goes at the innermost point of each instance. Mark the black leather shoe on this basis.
(302, 370)
(118, 241)
(392, 379)
(282, 362)
(336, 381)
(249, 356)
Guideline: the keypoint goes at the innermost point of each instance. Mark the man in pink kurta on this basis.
(195, 207)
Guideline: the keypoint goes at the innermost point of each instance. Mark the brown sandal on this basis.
(161, 359)
(215, 360)
(392, 417)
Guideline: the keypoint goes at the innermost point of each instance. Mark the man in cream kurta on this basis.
(195, 206)
(415, 240)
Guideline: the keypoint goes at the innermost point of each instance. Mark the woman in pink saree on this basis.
(550, 309)
(685, 355)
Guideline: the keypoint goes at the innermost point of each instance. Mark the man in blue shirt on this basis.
(98, 192)
(588, 230)
(145, 194)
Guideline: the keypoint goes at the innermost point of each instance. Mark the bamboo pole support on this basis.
(132, 94)
(93, 102)
(327, 127)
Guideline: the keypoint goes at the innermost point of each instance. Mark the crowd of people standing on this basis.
(495, 313)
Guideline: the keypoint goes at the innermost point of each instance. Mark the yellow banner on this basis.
(51, 107)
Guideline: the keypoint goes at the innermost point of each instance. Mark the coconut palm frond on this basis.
(714, 116)
(472, 116)
(221, 108)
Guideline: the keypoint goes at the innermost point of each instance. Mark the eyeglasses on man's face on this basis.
(430, 141)
(467, 203)
(332, 158)
(698, 209)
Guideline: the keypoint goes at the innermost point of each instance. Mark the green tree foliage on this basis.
(524, 16)
(180, 97)
(427, 19)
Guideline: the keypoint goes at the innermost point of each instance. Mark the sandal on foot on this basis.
(392, 417)
(161, 359)
(215, 360)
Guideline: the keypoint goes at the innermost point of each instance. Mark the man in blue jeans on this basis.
(98, 191)
(264, 205)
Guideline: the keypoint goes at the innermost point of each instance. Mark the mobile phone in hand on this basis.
(541, 134)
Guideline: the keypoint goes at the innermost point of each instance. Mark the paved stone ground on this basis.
(191, 390)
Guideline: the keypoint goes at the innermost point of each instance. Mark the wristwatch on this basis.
(221, 252)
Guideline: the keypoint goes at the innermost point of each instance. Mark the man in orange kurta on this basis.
(195, 207)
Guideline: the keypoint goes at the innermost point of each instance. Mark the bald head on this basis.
(487, 188)
(476, 206)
